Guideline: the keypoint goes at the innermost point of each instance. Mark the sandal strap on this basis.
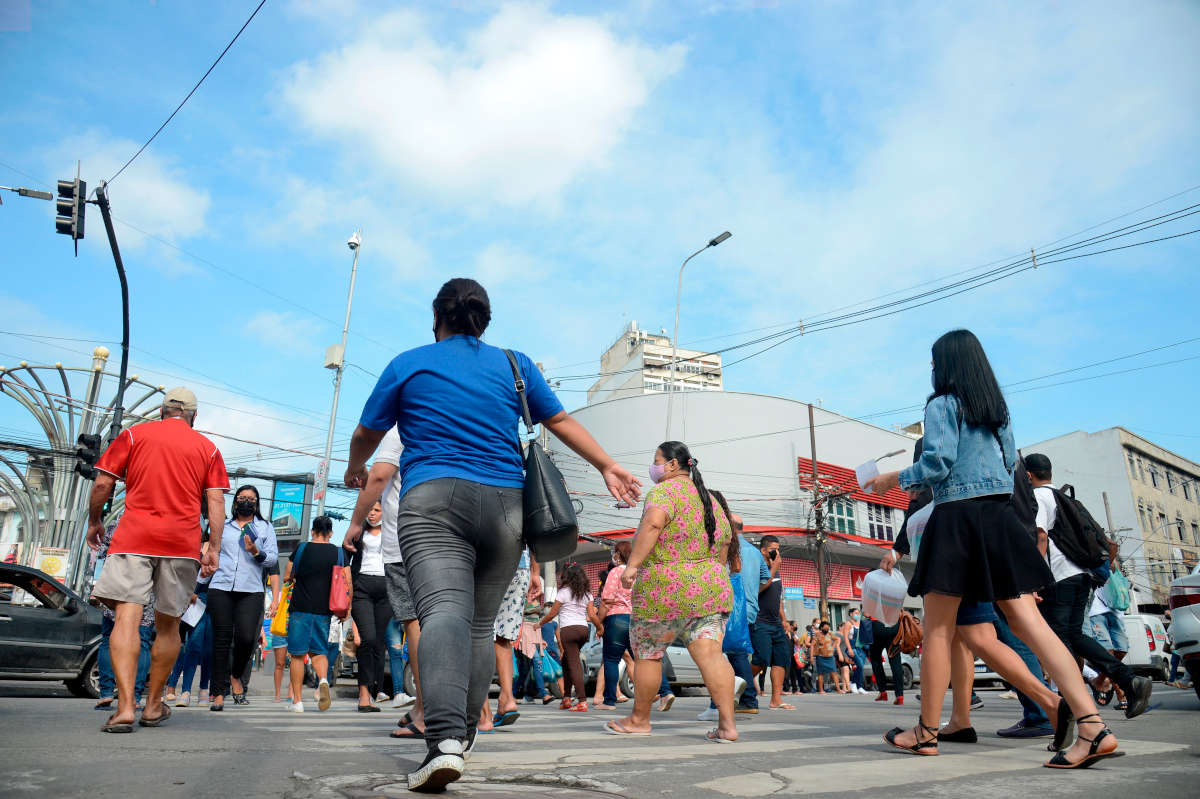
(921, 723)
(1088, 717)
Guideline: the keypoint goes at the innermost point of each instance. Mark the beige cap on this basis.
(182, 397)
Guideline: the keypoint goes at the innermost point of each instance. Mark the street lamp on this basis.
(675, 338)
(335, 358)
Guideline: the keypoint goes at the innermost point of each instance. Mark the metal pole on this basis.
(114, 429)
(819, 518)
(675, 340)
(337, 387)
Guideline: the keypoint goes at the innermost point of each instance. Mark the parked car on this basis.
(1185, 623)
(1147, 646)
(911, 664)
(681, 670)
(47, 631)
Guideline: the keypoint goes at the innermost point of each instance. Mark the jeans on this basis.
(524, 667)
(394, 636)
(1034, 716)
(372, 612)
(741, 668)
(104, 660)
(461, 542)
(881, 639)
(856, 674)
(198, 654)
(616, 644)
(177, 669)
(1063, 607)
(235, 624)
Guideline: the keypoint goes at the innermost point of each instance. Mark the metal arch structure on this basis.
(50, 496)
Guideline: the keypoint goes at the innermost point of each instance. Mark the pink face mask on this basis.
(658, 471)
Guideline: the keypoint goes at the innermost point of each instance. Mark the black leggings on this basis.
(883, 637)
(236, 621)
(1063, 607)
(573, 639)
(371, 612)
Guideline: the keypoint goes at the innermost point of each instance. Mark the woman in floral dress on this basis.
(681, 588)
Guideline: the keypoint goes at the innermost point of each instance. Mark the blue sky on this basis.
(569, 155)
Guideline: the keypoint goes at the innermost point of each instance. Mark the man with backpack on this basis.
(1070, 540)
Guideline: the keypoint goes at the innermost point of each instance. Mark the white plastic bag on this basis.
(883, 595)
(916, 528)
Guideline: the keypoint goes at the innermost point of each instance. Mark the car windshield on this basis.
(21, 588)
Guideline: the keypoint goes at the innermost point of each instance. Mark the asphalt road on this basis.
(830, 745)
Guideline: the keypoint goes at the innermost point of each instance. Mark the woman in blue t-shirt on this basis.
(455, 407)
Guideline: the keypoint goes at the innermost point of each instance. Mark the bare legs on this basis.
(941, 611)
(162, 658)
(280, 667)
(124, 644)
(412, 634)
(962, 679)
(646, 678)
(718, 678)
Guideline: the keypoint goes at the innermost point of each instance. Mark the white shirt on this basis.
(372, 549)
(1047, 514)
(1098, 605)
(573, 611)
(389, 452)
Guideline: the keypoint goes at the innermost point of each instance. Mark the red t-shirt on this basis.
(167, 467)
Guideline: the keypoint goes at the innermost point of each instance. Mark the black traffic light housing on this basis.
(88, 452)
(71, 207)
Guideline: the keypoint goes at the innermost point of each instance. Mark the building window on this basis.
(841, 517)
(1196, 533)
(1187, 488)
(1162, 524)
(1154, 475)
(1144, 516)
(1179, 527)
(1170, 481)
(879, 519)
(1141, 471)
(1132, 466)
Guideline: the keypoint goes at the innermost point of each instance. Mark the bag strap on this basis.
(341, 560)
(519, 383)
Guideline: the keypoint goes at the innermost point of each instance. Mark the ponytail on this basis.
(734, 559)
(462, 307)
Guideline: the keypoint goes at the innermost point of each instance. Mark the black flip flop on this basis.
(157, 722)
(119, 727)
(405, 720)
(412, 734)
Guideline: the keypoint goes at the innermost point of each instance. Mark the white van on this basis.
(1147, 646)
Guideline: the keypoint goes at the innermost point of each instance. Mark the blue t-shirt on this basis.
(754, 573)
(456, 410)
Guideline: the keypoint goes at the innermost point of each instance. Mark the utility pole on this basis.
(818, 518)
(335, 358)
(114, 429)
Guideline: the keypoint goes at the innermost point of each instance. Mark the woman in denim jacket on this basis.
(975, 551)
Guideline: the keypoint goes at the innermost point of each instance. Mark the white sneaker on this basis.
(443, 765)
(381, 697)
(403, 700)
(861, 690)
(709, 714)
(296, 707)
(323, 698)
(1007, 695)
(739, 688)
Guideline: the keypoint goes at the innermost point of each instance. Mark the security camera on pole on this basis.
(335, 358)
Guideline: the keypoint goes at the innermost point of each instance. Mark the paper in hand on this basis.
(866, 473)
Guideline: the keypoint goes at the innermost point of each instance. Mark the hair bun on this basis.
(692, 462)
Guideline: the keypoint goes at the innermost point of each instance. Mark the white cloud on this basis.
(153, 194)
(511, 114)
(501, 263)
(282, 330)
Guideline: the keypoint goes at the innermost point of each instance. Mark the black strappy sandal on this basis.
(1063, 729)
(920, 747)
(1094, 755)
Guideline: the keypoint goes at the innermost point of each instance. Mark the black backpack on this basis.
(1023, 501)
(1076, 533)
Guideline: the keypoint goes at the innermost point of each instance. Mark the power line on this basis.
(189, 94)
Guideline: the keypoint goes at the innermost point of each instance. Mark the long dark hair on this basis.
(462, 307)
(678, 451)
(961, 368)
(576, 579)
(735, 547)
(257, 501)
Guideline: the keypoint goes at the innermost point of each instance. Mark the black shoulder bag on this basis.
(550, 529)
(1022, 500)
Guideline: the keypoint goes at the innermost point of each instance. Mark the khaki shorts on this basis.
(129, 578)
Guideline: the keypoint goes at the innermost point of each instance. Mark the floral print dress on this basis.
(683, 577)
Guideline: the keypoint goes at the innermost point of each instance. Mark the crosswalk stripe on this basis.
(895, 770)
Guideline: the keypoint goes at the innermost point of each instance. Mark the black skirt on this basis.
(978, 549)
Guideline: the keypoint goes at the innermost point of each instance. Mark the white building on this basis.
(756, 450)
(1147, 494)
(639, 362)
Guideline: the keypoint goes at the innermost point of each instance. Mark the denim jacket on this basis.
(239, 570)
(961, 461)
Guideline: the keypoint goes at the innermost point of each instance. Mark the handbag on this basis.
(737, 629)
(339, 589)
(908, 634)
(550, 528)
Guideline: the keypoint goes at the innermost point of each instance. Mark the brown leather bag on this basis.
(908, 634)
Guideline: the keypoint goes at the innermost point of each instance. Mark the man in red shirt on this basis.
(171, 472)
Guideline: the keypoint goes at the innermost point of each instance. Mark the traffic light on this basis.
(88, 452)
(71, 206)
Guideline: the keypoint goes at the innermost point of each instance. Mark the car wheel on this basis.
(908, 676)
(87, 684)
(627, 684)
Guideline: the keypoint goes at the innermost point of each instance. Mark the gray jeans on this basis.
(461, 543)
